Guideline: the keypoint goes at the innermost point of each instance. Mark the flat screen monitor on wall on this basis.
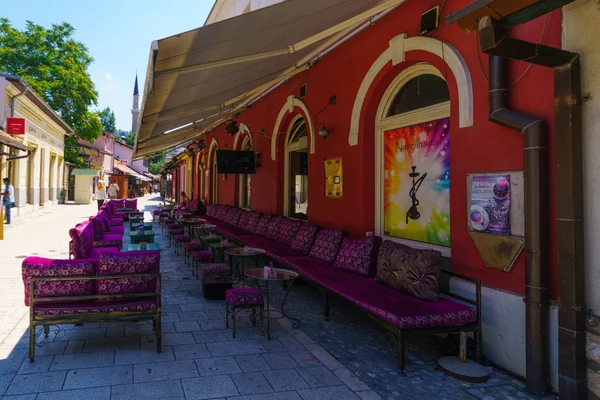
(235, 162)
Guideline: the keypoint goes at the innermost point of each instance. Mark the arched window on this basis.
(413, 160)
(296, 169)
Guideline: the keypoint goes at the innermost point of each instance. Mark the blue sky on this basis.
(118, 35)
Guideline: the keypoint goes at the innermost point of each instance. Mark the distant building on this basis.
(135, 111)
(34, 161)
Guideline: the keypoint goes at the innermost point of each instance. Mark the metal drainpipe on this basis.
(569, 212)
(535, 148)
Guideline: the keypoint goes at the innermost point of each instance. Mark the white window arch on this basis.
(416, 105)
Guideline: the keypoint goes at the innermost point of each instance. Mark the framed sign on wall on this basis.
(333, 177)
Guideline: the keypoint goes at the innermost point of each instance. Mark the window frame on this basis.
(384, 124)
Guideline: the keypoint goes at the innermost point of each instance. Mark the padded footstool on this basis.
(242, 298)
(181, 239)
(190, 247)
(199, 258)
(216, 279)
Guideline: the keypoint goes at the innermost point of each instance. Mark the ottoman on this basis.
(216, 279)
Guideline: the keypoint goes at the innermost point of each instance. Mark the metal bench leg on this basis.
(479, 343)
(400, 350)
(158, 333)
(46, 331)
(31, 340)
(233, 317)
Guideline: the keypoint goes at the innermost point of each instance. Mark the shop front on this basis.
(388, 134)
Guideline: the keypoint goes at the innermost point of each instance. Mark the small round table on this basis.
(237, 255)
(190, 222)
(282, 275)
(202, 230)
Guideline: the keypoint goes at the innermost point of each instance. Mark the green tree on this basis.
(55, 65)
(108, 120)
(156, 162)
(129, 139)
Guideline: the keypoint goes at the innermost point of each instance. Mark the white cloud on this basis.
(110, 83)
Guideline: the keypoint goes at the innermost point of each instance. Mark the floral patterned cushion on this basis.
(273, 228)
(255, 217)
(262, 225)
(244, 297)
(94, 307)
(236, 216)
(193, 246)
(107, 243)
(230, 214)
(210, 210)
(99, 227)
(412, 271)
(116, 229)
(288, 230)
(116, 221)
(140, 262)
(359, 255)
(216, 274)
(203, 256)
(42, 267)
(244, 218)
(173, 225)
(304, 238)
(156, 212)
(82, 236)
(222, 212)
(131, 203)
(327, 244)
(117, 204)
(182, 238)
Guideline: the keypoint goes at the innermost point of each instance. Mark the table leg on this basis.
(268, 311)
(296, 321)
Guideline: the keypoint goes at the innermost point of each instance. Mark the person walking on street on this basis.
(101, 194)
(8, 198)
(113, 189)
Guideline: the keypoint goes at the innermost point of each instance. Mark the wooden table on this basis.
(149, 246)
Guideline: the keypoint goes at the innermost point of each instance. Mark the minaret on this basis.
(135, 111)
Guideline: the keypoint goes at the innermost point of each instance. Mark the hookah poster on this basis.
(417, 182)
(490, 204)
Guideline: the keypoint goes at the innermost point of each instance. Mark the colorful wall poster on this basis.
(490, 204)
(417, 182)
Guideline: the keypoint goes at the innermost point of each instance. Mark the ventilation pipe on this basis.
(569, 206)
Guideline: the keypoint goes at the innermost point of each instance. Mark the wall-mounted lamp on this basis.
(201, 145)
(232, 128)
(323, 132)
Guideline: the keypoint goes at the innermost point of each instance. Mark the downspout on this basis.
(535, 149)
(569, 210)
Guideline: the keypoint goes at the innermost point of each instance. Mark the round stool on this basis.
(180, 239)
(190, 247)
(216, 279)
(200, 257)
(243, 298)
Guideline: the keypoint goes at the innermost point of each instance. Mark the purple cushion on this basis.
(262, 225)
(131, 203)
(182, 238)
(116, 229)
(210, 210)
(96, 251)
(304, 238)
(145, 304)
(193, 246)
(397, 308)
(140, 262)
(230, 215)
(83, 237)
(415, 272)
(203, 256)
(244, 297)
(359, 255)
(288, 230)
(216, 274)
(99, 227)
(327, 244)
(255, 216)
(34, 267)
(273, 228)
(243, 220)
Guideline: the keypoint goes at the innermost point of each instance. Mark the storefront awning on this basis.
(197, 79)
(127, 170)
(7, 140)
(81, 171)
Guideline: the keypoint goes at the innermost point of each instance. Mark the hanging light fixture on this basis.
(232, 128)
(323, 132)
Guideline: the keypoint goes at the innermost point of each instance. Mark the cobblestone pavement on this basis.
(344, 358)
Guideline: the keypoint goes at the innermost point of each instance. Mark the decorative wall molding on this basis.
(396, 54)
(289, 106)
(243, 129)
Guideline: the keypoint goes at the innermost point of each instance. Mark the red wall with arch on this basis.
(484, 147)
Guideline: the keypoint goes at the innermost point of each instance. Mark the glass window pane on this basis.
(420, 92)
(298, 131)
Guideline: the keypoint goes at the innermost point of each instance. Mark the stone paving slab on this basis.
(344, 358)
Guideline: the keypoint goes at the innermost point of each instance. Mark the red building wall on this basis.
(484, 147)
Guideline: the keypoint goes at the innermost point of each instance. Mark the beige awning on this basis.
(127, 170)
(197, 79)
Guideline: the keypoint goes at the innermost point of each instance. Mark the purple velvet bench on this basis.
(115, 287)
(353, 269)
